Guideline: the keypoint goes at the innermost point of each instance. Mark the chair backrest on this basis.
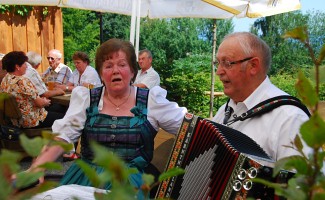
(164, 142)
(8, 108)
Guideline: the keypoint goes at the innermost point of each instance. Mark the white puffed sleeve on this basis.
(70, 126)
(164, 113)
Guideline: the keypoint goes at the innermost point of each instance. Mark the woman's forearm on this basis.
(49, 154)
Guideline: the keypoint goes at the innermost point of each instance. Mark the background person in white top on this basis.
(243, 63)
(34, 61)
(147, 77)
(83, 75)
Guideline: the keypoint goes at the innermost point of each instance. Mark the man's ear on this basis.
(255, 65)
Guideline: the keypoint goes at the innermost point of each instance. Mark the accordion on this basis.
(219, 163)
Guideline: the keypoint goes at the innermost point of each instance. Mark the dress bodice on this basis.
(128, 137)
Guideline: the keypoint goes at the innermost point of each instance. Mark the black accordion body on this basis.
(219, 163)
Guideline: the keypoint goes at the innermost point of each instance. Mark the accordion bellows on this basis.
(219, 163)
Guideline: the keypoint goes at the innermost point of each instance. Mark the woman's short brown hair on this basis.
(112, 46)
(11, 59)
(79, 55)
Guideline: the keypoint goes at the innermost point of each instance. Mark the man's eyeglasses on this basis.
(227, 64)
(51, 58)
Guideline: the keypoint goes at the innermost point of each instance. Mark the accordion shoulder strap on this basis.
(267, 106)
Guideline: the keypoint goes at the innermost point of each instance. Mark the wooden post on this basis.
(213, 66)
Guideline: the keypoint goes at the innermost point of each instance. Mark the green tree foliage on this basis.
(21, 10)
(191, 78)
(290, 55)
(285, 81)
(171, 39)
(223, 27)
(316, 29)
(309, 180)
(81, 32)
(116, 26)
(168, 39)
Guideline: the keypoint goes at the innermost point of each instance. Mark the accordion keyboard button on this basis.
(237, 185)
(252, 172)
(247, 184)
(242, 174)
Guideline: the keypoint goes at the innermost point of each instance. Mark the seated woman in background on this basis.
(83, 75)
(29, 102)
(118, 115)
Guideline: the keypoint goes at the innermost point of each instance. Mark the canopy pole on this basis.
(138, 29)
(133, 17)
(213, 66)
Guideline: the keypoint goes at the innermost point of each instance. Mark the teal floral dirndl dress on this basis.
(132, 138)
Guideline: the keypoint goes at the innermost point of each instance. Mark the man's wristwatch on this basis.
(66, 88)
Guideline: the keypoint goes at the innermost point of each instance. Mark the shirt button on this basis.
(113, 137)
(113, 126)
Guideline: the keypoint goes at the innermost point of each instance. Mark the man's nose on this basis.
(219, 70)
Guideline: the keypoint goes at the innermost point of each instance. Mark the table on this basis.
(215, 94)
(62, 99)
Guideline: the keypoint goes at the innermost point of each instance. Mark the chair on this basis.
(9, 110)
(164, 142)
(163, 145)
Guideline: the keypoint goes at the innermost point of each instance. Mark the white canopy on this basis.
(172, 8)
(149, 8)
(256, 8)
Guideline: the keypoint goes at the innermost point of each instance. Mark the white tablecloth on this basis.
(68, 192)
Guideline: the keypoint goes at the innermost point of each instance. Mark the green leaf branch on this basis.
(309, 181)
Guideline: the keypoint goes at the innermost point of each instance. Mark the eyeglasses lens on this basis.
(224, 63)
(50, 58)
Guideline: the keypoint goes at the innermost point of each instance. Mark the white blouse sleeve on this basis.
(164, 113)
(70, 126)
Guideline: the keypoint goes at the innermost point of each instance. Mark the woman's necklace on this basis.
(117, 107)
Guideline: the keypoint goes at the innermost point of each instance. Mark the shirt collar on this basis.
(148, 70)
(58, 68)
(256, 97)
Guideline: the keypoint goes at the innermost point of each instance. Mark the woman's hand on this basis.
(14, 181)
(58, 91)
(47, 102)
(42, 102)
